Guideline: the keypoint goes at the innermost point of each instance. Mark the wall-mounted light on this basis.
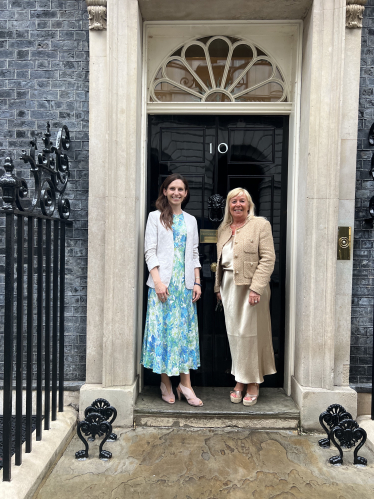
(371, 135)
(369, 222)
(372, 166)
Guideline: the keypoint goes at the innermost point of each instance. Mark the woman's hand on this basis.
(162, 291)
(196, 293)
(254, 298)
(219, 298)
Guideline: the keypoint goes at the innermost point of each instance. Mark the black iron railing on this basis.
(35, 223)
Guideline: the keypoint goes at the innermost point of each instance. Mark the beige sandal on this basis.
(250, 398)
(236, 396)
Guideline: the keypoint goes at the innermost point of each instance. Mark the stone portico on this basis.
(321, 193)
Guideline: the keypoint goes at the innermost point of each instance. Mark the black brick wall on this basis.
(363, 254)
(44, 76)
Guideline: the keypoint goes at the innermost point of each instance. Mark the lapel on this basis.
(187, 222)
(185, 219)
(167, 234)
(225, 236)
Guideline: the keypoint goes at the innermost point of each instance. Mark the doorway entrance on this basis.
(217, 154)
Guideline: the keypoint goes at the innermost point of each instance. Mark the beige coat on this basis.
(254, 254)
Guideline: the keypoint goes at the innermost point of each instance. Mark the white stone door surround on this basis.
(321, 198)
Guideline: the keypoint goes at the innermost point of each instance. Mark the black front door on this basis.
(217, 154)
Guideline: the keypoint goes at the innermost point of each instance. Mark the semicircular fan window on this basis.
(218, 69)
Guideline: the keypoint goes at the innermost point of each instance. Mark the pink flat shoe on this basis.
(166, 396)
(189, 395)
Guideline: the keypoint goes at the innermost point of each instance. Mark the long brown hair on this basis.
(162, 202)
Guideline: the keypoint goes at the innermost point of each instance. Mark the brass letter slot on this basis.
(208, 236)
(344, 243)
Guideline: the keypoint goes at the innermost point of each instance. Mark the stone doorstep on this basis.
(274, 410)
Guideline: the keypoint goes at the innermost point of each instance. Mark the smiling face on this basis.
(176, 193)
(239, 208)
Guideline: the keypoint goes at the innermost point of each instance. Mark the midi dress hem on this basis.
(161, 371)
(259, 380)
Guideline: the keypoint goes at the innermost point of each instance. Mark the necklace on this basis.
(234, 227)
(237, 226)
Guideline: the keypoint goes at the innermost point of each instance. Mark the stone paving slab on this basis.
(154, 463)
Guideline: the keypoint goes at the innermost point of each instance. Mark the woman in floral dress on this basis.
(171, 340)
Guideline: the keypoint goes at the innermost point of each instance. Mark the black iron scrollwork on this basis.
(98, 420)
(103, 407)
(216, 208)
(94, 424)
(333, 415)
(347, 434)
(343, 432)
(50, 172)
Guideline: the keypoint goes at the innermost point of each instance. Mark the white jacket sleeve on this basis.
(196, 259)
(150, 243)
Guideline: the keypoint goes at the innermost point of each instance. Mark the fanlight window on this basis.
(218, 69)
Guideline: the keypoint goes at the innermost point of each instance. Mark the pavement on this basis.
(181, 463)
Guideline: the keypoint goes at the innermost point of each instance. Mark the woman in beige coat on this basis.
(245, 262)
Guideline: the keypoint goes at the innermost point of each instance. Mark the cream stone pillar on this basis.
(351, 90)
(97, 189)
(313, 385)
(115, 94)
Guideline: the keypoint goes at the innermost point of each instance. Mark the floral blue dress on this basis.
(171, 338)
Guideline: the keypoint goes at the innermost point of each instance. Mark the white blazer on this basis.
(159, 249)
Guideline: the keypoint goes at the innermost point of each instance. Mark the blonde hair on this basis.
(227, 219)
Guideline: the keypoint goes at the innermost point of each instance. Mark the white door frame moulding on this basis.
(292, 109)
(257, 108)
